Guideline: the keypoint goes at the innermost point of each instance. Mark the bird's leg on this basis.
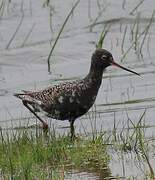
(45, 125)
(72, 129)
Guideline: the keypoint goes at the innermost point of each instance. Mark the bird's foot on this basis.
(73, 137)
(45, 127)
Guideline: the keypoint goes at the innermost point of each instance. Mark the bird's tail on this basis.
(23, 97)
(27, 98)
(19, 95)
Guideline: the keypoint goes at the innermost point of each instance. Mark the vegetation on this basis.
(24, 156)
(58, 36)
(29, 155)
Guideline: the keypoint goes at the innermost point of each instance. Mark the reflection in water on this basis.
(91, 173)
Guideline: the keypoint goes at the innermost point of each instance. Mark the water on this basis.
(23, 61)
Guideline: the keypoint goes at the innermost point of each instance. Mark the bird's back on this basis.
(67, 100)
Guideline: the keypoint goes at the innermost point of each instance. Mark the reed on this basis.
(59, 34)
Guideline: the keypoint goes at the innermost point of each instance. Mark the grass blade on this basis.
(102, 37)
(58, 36)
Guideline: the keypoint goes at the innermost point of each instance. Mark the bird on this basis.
(72, 99)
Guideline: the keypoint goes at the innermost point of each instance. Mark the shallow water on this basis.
(23, 61)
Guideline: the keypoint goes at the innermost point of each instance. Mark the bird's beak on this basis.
(117, 65)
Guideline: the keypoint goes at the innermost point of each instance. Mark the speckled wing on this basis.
(64, 101)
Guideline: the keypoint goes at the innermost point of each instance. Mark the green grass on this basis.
(27, 157)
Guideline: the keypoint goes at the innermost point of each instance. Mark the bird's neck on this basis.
(95, 72)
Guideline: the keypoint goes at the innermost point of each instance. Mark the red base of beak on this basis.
(117, 65)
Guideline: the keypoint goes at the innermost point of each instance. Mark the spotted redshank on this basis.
(70, 100)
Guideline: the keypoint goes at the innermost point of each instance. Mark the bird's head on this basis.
(103, 58)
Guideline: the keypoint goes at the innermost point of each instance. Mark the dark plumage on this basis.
(69, 100)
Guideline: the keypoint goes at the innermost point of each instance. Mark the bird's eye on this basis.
(103, 57)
